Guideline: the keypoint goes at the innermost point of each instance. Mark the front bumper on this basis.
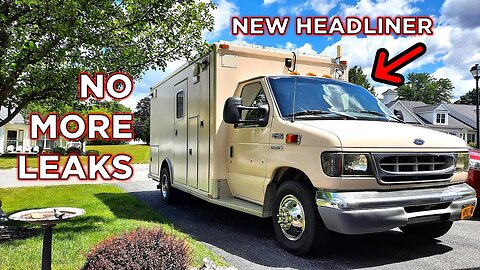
(378, 211)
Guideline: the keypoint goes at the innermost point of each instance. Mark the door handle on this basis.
(190, 151)
(176, 132)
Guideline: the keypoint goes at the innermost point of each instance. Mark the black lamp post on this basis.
(475, 70)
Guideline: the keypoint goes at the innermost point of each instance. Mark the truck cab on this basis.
(309, 146)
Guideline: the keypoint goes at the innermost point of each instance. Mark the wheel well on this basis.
(281, 175)
(164, 164)
(167, 164)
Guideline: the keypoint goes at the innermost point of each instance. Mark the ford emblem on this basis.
(418, 141)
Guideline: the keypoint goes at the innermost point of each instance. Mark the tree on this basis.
(424, 87)
(44, 44)
(356, 76)
(141, 126)
(469, 98)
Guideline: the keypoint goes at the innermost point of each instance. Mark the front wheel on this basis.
(428, 231)
(296, 222)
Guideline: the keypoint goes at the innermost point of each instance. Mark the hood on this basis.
(361, 134)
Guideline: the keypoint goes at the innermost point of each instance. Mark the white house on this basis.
(14, 137)
(454, 119)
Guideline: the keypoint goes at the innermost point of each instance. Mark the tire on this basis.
(428, 231)
(309, 235)
(166, 190)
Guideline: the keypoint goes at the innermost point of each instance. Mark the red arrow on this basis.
(384, 70)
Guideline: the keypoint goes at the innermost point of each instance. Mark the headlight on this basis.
(461, 162)
(337, 164)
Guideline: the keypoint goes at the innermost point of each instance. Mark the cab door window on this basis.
(252, 95)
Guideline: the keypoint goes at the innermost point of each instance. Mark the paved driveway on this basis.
(248, 242)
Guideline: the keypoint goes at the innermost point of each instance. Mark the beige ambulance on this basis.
(284, 135)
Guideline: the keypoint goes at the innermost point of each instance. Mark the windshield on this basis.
(324, 98)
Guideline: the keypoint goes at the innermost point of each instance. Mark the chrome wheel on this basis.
(291, 217)
(165, 186)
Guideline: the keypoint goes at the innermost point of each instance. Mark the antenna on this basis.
(293, 103)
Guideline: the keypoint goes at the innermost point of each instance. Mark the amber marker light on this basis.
(294, 138)
(224, 46)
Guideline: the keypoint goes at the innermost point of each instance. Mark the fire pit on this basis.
(47, 217)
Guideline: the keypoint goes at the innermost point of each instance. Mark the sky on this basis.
(451, 51)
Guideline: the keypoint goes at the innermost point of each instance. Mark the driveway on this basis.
(248, 242)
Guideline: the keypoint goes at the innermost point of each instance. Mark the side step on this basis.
(224, 197)
(239, 205)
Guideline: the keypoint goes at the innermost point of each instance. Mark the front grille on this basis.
(412, 167)
(416, 163)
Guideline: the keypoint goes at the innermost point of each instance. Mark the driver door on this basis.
(249, 146)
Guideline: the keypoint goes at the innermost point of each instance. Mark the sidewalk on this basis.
(8, 178)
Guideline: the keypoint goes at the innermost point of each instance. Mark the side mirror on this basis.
(398, 114)
(231, 113)
(233, 109)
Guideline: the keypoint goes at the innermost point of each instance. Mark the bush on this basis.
(74, 151)
(92, 152)
(58, 150)
(140, 249)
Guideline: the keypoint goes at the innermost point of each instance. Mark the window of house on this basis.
(471, 138)
(252, 95)
(20, 137)
(45, 143)
(180, 98)
(441, 118)
(12, 137)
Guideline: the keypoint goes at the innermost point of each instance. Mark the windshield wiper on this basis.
(380, 114)
(320, 112)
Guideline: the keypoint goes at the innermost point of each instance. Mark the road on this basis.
(248, 242)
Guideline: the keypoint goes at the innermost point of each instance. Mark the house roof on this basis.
(461, 116)
(464, 113)
(410, 106)
(452, 123)
(428, 108)
(17, 119)
(389, 91)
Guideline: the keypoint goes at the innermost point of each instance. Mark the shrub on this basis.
(92, 152)
(140, 249)
(58, 150)
(73, 151)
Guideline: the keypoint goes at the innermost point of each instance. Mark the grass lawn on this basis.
(139, 153)
(110, 211)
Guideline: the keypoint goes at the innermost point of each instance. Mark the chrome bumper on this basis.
(377, 211)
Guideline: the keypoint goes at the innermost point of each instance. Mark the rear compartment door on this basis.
(180, 133)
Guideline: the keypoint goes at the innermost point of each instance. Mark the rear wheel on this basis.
(428, 231)
(166, 186)
(296, 222)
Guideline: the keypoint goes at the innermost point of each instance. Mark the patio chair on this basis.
(10, 149)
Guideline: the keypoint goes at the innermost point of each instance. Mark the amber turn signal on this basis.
(293, 138)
